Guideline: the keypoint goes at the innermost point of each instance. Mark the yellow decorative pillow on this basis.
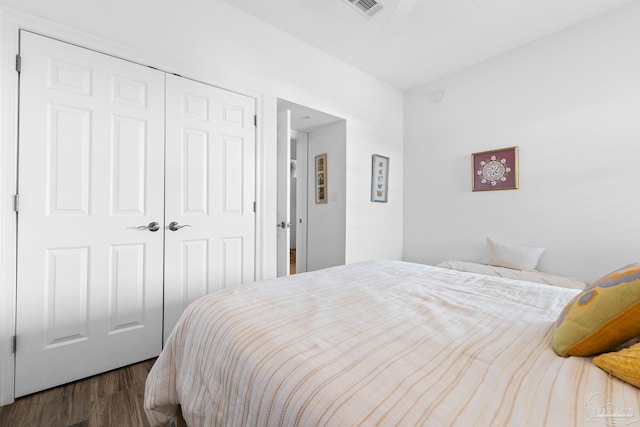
(604, 315)
(624, 364)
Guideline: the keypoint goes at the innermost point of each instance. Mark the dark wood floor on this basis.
(292, 261)
(111, 399)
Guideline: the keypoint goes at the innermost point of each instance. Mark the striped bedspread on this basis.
(381, 343)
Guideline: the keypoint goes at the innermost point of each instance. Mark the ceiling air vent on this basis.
(368, 7)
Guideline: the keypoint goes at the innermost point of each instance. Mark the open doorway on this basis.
(311, 232)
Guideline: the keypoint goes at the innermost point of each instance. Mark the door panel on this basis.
(195, 167)
(210, 188)
(128, 166)
(126, 287)
(91, 170)
(68, 147)
(283, 213)
(66, 290)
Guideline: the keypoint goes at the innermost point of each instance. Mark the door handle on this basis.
(284, 225)
(153, 226)
(174, 226)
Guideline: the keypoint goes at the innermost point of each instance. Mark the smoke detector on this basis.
(366, 7)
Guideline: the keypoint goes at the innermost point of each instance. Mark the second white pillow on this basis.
(512, 256)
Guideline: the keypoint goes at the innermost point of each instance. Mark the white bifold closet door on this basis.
(94, 236)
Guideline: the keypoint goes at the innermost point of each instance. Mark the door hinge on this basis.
(18, 63)
(255, 120)
(14, 344)
(254, 207)
(16, 202)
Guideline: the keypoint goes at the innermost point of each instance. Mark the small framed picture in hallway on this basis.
(321, 178)
(379, 178)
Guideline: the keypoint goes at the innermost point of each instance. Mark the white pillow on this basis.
(511, 256)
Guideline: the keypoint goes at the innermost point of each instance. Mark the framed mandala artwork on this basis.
(495, 170)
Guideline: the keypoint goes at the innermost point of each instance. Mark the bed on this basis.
(380, 343)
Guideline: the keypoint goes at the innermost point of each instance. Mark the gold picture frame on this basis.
(495, 170)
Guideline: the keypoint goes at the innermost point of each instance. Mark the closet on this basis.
(136, 192)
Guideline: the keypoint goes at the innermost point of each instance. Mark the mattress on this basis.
(380, 343)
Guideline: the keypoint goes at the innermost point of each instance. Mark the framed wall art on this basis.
(379, 178)
(495, 169)
(321, 178)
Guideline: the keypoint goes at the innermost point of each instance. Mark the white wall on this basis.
(216, 43)
(326, 225)
(571, 102)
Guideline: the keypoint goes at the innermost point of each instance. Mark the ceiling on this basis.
(305, 119)
(412, 42)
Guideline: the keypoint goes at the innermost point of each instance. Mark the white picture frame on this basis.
(379, 178)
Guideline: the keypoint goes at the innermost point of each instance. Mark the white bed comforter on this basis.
(381, 343)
